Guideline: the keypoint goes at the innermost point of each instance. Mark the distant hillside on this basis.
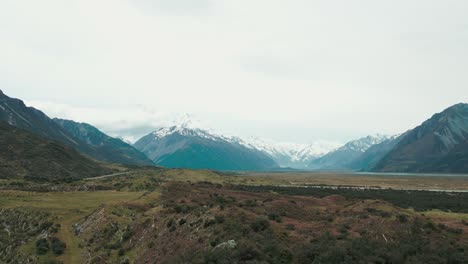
(440, 144)
(369, 159)
(105, 147)
(14, 112)
(25, 155)
(86, 139)
(185, 147)
(290, 155)
(342, 158)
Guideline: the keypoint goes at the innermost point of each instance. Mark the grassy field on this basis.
(178, 216)
(344, 179)
(457, 183)
(66, 209)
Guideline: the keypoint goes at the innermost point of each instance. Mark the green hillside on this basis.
(25, 155)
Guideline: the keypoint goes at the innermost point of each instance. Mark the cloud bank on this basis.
(293, 71)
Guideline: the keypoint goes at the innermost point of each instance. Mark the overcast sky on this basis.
(296, 70)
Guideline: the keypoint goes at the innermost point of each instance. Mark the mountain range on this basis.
(439, 144)
(26, 155)
(84, 138)
(290, 155)
(104, 147)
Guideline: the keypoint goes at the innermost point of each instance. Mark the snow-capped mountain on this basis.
(291, 155)
(190, 128)
(368, 160)
(364, 143)
(342, 157)
(185, 130)
(186, 145)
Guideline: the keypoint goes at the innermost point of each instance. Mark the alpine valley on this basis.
(69, 193)
(437, 145)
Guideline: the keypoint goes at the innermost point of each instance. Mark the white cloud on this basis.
(295, 71)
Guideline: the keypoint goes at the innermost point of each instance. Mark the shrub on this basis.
(250, 203)
(219, 219)
(170, 223)
(127, 234)
(209, 222)
(274, 217)
(184, 209)
(58, 247)
(402, 218)
(260, 225)
(455, 230)
(42, 246)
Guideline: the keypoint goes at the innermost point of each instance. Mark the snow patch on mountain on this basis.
(186, 125)
(285, 154)
(365, 143)
(296, 152)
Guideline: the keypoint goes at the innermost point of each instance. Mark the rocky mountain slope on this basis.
(105, 147)
(16, 113)
(437, 145)
(25, 155)
(343, 157)
(369, 159)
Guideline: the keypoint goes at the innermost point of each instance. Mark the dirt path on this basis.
(107, 176)
(73, 254)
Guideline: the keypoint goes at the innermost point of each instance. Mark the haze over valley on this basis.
(233, 132)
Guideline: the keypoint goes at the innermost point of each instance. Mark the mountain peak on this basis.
(459, 105)
(364, 143)
(437, 145)
(457, 108)
(186, 121)
(187, 125)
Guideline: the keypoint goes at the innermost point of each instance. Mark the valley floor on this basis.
(186, 216)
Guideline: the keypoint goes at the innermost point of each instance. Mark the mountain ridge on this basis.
(15, 112)
(432, 143)
(182, 146)
(106, 148)
(26, 155)
(342, 158)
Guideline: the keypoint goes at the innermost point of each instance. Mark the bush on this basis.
(170, 223)
(58, 247)
(42, 246)
(219, 219)
(209, 222)
(184, 209)
(127, 234)
(274, 217)
(260, 225)
(402, 218)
